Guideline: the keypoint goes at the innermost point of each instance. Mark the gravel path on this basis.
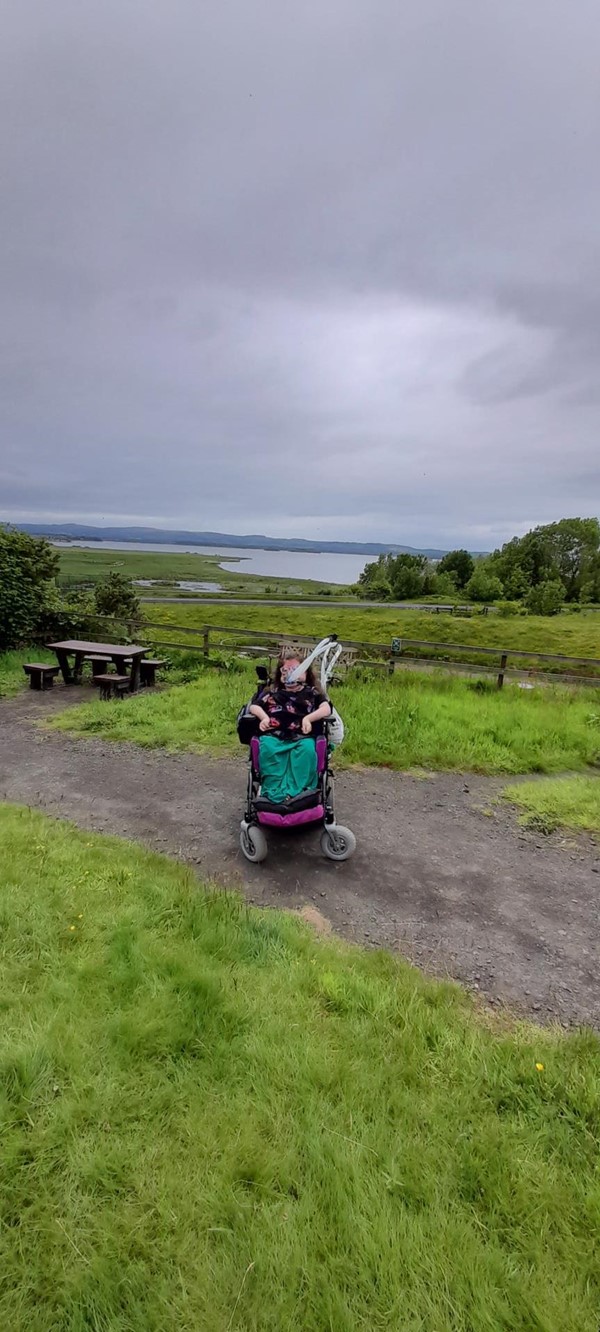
(459, 892)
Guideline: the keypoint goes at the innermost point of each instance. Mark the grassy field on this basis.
(569, 635)
(214, 1122)
(89, 565)
(567, 802)
(433, 721)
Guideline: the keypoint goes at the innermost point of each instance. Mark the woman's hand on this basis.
(266, 723)
(306, 725)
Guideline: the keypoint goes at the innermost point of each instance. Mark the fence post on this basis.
(502, 669)
(206, 640)
(395, 651)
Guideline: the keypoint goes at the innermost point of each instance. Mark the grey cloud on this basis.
(316, 264)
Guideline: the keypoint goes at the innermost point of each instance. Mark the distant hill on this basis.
(81, 532)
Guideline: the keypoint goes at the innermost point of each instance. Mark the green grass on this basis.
(566, 802)
(12, 675)
(567, 635)
(430, 721)
(213, 1122)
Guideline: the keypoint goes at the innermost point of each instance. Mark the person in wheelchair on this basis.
(290, 712)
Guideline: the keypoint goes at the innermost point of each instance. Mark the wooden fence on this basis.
(500, 663)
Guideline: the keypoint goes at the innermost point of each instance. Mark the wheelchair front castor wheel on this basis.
(338, 843)
(253, 843)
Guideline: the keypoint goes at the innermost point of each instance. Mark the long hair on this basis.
(289, 655)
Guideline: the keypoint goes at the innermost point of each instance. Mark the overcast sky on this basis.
(326, 269)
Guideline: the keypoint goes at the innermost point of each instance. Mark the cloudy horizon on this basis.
(323, 271)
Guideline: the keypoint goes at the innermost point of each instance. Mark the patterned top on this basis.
(288, 706)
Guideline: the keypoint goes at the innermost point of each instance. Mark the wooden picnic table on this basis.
(116, 652)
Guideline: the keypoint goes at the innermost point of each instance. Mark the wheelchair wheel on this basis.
(338, 843)
(253, 843)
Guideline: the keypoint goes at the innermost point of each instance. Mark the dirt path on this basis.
(459, 892)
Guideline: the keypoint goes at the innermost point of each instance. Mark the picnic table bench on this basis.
(148, 669)
(118, 653)
(112, 686)
(97, 662)
(41, 674)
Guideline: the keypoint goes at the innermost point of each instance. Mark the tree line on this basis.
(552, 565)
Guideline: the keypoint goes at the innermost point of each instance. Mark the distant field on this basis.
(78, 564)
(569, 635)
(213, 1121)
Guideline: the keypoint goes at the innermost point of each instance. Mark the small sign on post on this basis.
(395, 651)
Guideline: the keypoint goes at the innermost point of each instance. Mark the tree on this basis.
(564, 551)
(575, 543)
(444, 585)
(115, 597)
(547, 598)
(523, 562)
(407, 576)
(373, 583)
(484, 585)
(590, 585)
(516, 585)
(376, 590)
(458, 562)
(28, 568)
(396, 577)
(373, 572)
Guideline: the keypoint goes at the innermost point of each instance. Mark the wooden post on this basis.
(395, 651)
(206, 639)
(502, 670)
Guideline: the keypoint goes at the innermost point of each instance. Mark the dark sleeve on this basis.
(320, 698)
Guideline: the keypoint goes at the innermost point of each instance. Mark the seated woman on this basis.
(287, 711)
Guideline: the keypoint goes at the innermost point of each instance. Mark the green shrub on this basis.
(547, 598)
(484, 586)
(444, 586)
(70, 615)
(115, 596)
(28, 567)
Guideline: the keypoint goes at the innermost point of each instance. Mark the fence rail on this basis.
(469, 658)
